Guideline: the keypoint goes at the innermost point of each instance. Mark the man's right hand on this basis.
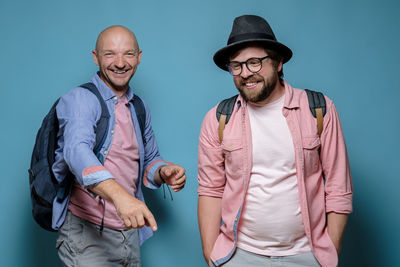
(133, 212)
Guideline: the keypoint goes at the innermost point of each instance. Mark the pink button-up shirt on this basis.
(224, 171)
(122, 162)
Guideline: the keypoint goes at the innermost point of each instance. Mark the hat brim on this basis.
(221, 57)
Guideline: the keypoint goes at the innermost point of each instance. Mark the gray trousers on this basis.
(80, 243)
(244, 258)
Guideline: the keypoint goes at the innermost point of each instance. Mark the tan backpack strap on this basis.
(320, 120)
(317, 103)
(221, 126)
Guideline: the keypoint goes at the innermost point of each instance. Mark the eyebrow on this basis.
(111, 50)
(106, 50)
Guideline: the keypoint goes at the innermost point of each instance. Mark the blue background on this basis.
(347, 49)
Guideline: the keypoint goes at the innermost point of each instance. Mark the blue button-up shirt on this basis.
(78, 112)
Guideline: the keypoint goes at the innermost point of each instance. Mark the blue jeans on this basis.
(244, 258)
(80, 243)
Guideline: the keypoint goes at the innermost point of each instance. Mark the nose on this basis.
(245, 71)
(119, 61)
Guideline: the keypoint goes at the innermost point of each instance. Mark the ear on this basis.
(95, 57)
(139, 56)
(279, 68)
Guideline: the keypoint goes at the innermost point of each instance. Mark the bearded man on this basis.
(272, 190)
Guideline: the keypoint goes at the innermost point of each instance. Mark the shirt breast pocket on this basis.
(233, 155)
(311, 147)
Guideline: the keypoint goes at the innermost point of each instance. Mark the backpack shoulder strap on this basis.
(224, 112)
(140, 114)
(316, 101)
(102, 124)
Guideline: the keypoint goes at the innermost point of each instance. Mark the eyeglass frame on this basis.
(247, 66)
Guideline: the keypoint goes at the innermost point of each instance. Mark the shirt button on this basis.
(235, 219)
(105, 152)
(115, 98)
(112, 131)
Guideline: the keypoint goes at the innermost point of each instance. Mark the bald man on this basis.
(104, 220)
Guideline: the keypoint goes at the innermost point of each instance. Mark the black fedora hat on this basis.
(250, 29)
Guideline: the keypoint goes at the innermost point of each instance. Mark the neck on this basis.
(120, 92)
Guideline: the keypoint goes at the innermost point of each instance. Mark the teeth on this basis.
(250, 84)
(119, 71)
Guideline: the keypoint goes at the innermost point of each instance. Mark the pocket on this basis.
(311, 146)
(233, 154)
(73, 232)
(59, 242)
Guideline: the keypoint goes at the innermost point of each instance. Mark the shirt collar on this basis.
(291, 100)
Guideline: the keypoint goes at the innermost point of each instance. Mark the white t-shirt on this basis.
(271, 221)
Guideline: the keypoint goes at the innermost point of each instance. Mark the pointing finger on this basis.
(150, 221)
(167, 171)
(180, 171)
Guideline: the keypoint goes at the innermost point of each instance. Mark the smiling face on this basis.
(117, 54)
(262, 86)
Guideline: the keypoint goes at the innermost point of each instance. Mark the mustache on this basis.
(251, 79)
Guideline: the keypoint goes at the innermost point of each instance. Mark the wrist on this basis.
(159, 175)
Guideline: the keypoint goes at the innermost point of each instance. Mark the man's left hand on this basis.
(174, 175)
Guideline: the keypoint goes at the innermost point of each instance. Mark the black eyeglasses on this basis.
(253, 64)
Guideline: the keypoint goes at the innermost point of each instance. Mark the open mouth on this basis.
(119, 71)
(250, 85)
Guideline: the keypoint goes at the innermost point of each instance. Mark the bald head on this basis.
(117, 54)
(116, 30)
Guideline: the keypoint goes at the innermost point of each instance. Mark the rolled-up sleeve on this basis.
(211, 176)
(335, 164)
(78, 112)
(152, 158)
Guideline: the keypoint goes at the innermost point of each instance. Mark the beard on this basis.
(263, 93)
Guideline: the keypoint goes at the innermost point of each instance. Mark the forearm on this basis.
(336, 223)
(209, 216)
(110, 190)
(133, 212)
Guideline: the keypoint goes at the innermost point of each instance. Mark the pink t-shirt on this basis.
(122, 162)
(271, 222)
